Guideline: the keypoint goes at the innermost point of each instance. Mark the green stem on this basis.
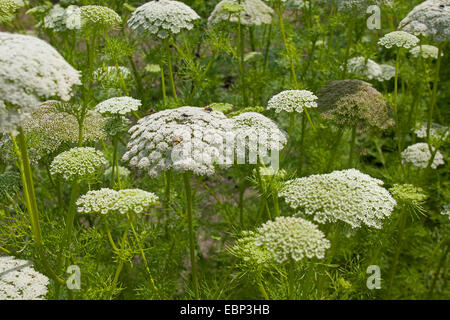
(163, 86)
(141, 250)
(169, 64)
(30, 197)
(352, 147)
(302, 140)
(121, 263)
(433, 101)
(168, 179)
(349, 45)
(398, 249)
(241, 62)
(192, 241)
(334, 148)
(291, 57)
(291, 279)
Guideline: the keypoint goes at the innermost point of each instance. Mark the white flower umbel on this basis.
(399, 39)
(118, 106)
(31, 69)
(431, 18)
(349, 195)
(24, 283)
(7, 9)
(162, 18)
(419, 155)
(134, 200)
(97, 201)
(185, 139)
(81, 163)
(369, 69)
(387, 72)
(109, 74)
(438, 133)
(99, 17)
(51, 127)
(293, 238)
(61, 19)
(106, 201)
(252, 12)
(446, 210)
(292, 101)
(425, 51)
(263, 135)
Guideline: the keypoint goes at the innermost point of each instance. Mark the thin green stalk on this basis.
(334, 148)
(352, 147)
(302, 141)
(163, 86)
(121, 263)
(433, 101)
(30, 197)
(169, 64)
(192, 238)
(290, 55)
(241, 62)
(168, 179)
(291, 279)
(152, 281)
(349, 45)
(403, 219)
(241, 200)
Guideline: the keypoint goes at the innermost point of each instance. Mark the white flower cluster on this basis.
(52, 127)
(446, 210)
(110, 74)
(10, 120)
(124, 173)
(185, 139)
(118, 106)
(356, 6)
(252, 255)
(292, 101)
(162, 18)
(78, 163)
(400, 39)
(431, 18)
(106, 201)
(425, 51)
(7, 9)
(93, 16)
(263, 134)
(292, 238)
(252, 12)
(61, 19)
(369, 69)
(22, 284)
(438, 133)
(348, 195)
(31, 69)
(419, 155)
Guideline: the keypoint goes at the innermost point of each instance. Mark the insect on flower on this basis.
(208, 109)
(176, 140)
